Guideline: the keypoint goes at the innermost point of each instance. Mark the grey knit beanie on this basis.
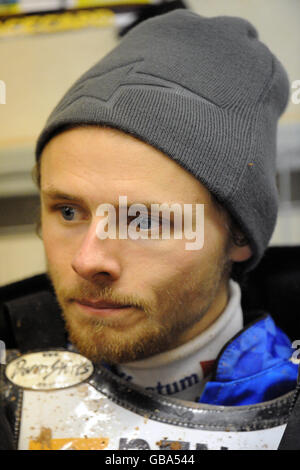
(207, 93)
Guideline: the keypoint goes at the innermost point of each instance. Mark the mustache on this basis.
(81, 292)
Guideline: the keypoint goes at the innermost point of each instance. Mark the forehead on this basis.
(95, 160)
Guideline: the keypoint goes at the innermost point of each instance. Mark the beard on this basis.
(151, 327)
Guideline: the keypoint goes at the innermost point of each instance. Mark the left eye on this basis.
(146, 223)
(67, 212)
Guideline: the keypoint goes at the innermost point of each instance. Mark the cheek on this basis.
(172, 255)
(48, 236)
(187, 270)
(165, 264)
(215, 234)
(59, 247)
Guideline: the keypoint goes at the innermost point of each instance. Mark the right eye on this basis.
(67, 212)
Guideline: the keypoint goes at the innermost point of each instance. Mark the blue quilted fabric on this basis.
(253, 367)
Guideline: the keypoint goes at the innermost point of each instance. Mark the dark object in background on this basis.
(149, 11)
(6, 436)
(274, 286)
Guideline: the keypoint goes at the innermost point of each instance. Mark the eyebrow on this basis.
(54, 194)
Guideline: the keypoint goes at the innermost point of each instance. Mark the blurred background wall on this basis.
(37, 68)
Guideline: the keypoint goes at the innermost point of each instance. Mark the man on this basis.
(183, 111)
(174, 294)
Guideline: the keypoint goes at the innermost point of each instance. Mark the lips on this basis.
(101, 304)
(90, 308)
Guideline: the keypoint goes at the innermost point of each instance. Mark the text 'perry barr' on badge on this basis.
(49, 370)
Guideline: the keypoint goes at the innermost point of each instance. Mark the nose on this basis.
(95, 258)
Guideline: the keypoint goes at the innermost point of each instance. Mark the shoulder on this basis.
(23, 287)
(30, 316)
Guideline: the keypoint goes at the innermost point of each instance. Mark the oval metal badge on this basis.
(49, 370)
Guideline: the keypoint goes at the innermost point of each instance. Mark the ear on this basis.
(239, 246)
(240, 253)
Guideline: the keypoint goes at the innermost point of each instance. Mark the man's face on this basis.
(173, 293)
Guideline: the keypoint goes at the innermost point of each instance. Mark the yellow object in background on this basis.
(24, 7)
(12, 9)
(56, 22)
(108, 3)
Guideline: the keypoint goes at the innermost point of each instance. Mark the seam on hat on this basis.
(169, 84)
